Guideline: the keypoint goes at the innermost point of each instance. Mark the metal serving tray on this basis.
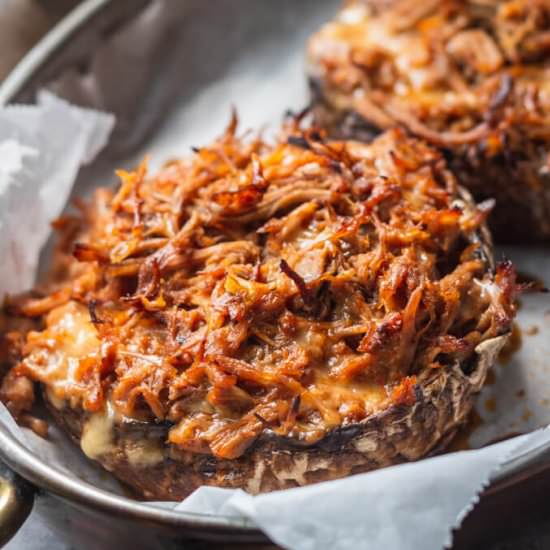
(164, 67)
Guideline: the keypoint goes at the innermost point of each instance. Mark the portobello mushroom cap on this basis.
(264, 316)
(470, 77)
(138, 455)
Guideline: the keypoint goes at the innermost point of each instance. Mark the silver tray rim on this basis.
(52, 479)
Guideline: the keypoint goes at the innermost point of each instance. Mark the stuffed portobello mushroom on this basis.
(471, 77)
(265, 316)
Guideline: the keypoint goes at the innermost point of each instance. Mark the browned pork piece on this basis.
(469, 76)
(266, 315)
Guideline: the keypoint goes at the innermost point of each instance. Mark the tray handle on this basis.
(16, 502)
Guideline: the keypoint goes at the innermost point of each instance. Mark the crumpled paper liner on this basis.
(41, 150)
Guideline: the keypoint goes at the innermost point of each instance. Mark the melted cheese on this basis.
(97, 435)
(69, 338)
(98, 439)
(144, 453)
(337, 396)
(57, 402)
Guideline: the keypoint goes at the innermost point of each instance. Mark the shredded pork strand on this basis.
(285, 288)
(440, 68)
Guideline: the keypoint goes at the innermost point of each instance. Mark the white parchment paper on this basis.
(41, 150)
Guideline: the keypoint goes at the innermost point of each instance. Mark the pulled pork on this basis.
(470, 76)
(289, 288)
